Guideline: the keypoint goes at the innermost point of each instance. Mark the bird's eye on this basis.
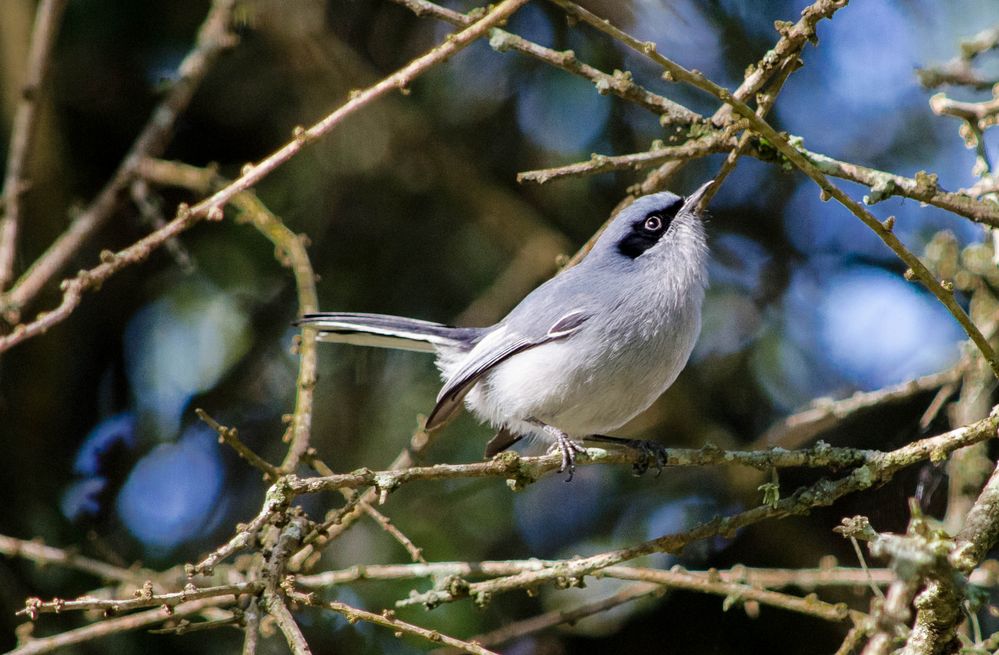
(653, 223)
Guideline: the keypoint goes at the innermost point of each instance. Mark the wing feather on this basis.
(479, 363)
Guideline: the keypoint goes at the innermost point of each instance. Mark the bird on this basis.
(581, 354)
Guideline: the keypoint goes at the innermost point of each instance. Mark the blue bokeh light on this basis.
(560, 112)
(82, 499)
(115, 432)
(172, 493)
(878, 329)
(181, 345)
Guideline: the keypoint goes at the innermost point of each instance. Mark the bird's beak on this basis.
(693, 200)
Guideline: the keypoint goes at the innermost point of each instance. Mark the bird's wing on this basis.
(486, 355)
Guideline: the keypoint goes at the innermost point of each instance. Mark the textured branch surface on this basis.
(213, 38)
(48, 18)
(211, 207)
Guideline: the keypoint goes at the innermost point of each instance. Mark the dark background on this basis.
(412, 208)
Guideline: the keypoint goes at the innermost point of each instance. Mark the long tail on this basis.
(383, 331)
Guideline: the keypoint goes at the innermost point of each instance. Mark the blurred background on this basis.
(412, 208)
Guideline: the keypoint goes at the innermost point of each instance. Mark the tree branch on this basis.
(880, 469)
(114, 626)
(620, 83)
(211, 207)
(693, 78)
(213, 38)
(48, 18)
(387, 619)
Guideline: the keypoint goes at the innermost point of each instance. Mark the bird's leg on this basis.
(650, 453)
(564, 444)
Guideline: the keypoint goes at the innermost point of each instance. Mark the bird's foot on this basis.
(564, 445)
(650, 453)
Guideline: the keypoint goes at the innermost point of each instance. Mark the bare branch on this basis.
(230, 436)
(143, 598)
(211, 207)
(765, 578)
(620, 83)
(116, 625)
(291, 252)
(48, 555)
(824, 492)
(387, 619)
(213, 38)
(48, 18)
(524, 470)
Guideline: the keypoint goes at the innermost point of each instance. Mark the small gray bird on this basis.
(584, 352)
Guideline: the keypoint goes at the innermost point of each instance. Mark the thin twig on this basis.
(765, 578)
(48, 555)
(143, 598)
(214, 37)
(230, 437)
(809, 605)
(291, 252)
(620, 84)
(120, 624)
(880, 469)
(415, 552)
(48, 18)
(659, 153)
(387, 619)
(211, 207)
(150, 210)
(917, 269)
(924, 187)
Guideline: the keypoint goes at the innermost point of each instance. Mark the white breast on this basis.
(590, 383)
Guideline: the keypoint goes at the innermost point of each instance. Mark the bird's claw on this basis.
(568, 448)
(650, 454)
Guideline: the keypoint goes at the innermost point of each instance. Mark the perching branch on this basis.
(387, 619)
(880, 469)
